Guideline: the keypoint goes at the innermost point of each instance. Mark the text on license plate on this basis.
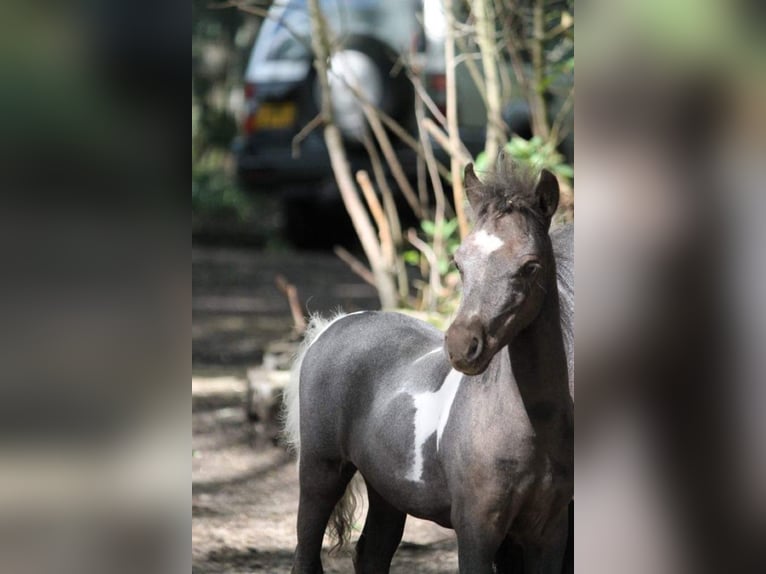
(276, 115)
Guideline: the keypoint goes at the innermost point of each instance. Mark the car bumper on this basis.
(267, 159)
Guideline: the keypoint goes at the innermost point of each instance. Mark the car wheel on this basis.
(365, 65)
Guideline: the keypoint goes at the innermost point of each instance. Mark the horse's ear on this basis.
(473, 188)
(547, 193)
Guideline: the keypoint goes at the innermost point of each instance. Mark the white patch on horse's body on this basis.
(487, 242)
(432, 410)
(450, 387)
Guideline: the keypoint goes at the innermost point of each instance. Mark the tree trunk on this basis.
(485, 32)
(537, 102)
(456, 170)
(384, 280)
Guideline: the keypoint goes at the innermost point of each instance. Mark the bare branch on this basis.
(537, 101)
(443, 140)
(315, 122)
(557, 133)
(402, 134)
(427, 99)
(389, 204)
(291, 292)
(355, 265)
(374, 119)
(384, 231)
(340, 165)
(261, 12)
(435, 181)
(473, 70)
(485, 32)
(428, 253)
(452, 124)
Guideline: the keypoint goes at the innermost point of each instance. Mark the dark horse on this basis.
(472, 429)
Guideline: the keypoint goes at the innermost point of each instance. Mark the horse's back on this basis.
(370, 338)
(358, 364)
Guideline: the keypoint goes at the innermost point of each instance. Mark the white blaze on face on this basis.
(486, 242)
(432, 410)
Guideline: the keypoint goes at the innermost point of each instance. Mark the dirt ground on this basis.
(244, 488)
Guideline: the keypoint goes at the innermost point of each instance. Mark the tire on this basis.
(375, 61)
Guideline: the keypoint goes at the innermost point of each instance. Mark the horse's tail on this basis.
(291, 419)
(342, 517)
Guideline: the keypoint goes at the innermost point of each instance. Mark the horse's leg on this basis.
(480, 531)
(380, 538)
(551, 558)
(509, 558)
(322, 484)
(568, 566)
(475, 552)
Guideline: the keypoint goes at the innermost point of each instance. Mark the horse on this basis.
(472, 429)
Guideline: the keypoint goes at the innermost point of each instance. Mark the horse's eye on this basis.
(529, 269)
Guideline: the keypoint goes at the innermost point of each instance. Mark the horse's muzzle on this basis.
(466, 344)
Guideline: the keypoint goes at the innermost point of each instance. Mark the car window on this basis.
(285, 34)
(282, 51)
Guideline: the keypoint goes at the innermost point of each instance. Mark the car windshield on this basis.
(282, 51)
(285, 34)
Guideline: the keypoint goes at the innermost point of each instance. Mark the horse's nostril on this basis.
(474, 350)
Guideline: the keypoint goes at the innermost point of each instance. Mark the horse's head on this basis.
(506, 263)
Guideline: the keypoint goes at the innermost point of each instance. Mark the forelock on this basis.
(508, 187)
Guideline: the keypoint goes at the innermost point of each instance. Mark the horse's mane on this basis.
(507, 187)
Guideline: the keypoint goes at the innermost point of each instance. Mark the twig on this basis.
(564, 24)
(537, 101)
(427, 99)
(392, 125)
(402, 134)
(558, 122)
(261, 13)
(443, 140)
(383, 279)
(291, 292)
(315, 122)
(429, 254)
(473, 70)
(389, 204)
(355, 265)
(376, 209)
(374, 119)
(454, 136)
(435, 181)
(485, 33)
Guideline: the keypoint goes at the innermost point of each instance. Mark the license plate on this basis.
(276, 115)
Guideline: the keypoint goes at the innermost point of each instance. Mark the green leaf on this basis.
(449, 227)
(428, 227)
(412, 257)
(482, 162)
(564, 170)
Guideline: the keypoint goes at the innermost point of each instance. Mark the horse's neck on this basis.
(539, 369)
